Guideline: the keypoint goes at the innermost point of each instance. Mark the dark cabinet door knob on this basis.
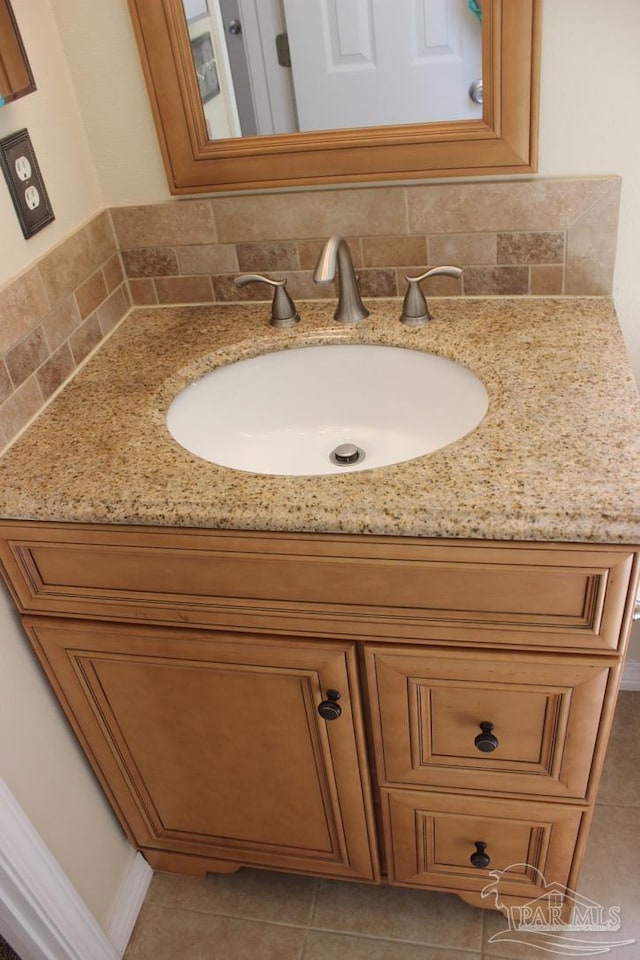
(486, 741)
(330, 709)
(480, 859)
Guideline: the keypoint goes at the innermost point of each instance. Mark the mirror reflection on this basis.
(282, 66)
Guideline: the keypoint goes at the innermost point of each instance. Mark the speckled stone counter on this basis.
(557, 457)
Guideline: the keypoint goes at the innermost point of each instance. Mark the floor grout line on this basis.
(311, 928)
(314, 901)
(359, 935)
(312, 908)
(483, 932)
(233, 916)
(304, 944)
(392, 941)
(622, 806)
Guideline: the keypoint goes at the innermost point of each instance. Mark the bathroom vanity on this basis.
(403, 675)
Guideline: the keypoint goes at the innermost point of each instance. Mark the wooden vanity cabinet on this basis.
(286, 700)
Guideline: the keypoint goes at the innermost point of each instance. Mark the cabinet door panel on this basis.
(203, 738)
(213, 745)
(545, 713)
(431, 838)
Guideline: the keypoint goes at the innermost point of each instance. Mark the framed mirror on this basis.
(185, 72)
(16, 78)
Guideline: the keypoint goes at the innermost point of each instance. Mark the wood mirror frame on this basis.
(504, 141)
(16, 78)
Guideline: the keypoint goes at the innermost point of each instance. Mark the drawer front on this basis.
(508, 723)
(396, 588)
(432, 837)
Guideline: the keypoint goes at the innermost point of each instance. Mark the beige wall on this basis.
(53, 119)
(39, 758)
(101, 52)
(588, 124)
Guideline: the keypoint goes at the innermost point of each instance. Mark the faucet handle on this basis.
(283, 309)
(415, 310)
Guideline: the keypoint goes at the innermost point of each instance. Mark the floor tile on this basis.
(337, 946)
(6, 953)
(610, 877)
(166, 934)
(391, 913)
(611, 872)
(620, 782)
(250, 894)
(517, 947)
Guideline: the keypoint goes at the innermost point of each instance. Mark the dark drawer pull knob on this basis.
(480, 859)
(486, 741)
(330, 709)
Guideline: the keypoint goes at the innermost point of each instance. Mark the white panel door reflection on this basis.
(359, 63)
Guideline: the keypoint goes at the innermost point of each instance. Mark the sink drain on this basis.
(346, 454)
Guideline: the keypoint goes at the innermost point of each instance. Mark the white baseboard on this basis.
(631, 675)
(129, 903)
(41, 915)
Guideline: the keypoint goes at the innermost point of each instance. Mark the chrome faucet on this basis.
(415, 310)
(350, 307)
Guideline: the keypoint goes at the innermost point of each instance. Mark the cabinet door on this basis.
(211, 745)
(509, 723)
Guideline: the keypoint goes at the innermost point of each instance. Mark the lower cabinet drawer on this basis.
(432, 837)
(513, 723)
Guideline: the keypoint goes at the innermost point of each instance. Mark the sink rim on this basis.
(293, 338)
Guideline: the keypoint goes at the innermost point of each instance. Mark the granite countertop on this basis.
(557, 457)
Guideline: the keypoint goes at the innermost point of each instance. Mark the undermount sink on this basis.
(303, 411)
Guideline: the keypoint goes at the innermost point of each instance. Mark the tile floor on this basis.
(256, 915)
(6, 953)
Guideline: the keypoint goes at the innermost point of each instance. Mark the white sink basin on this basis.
(285, 412)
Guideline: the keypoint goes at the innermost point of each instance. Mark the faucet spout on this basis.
(336, 254)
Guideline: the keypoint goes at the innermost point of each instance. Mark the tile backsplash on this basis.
(53, 315)
(513, 237)
(516, 237)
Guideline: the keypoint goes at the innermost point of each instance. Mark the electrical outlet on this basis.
(22, 173)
